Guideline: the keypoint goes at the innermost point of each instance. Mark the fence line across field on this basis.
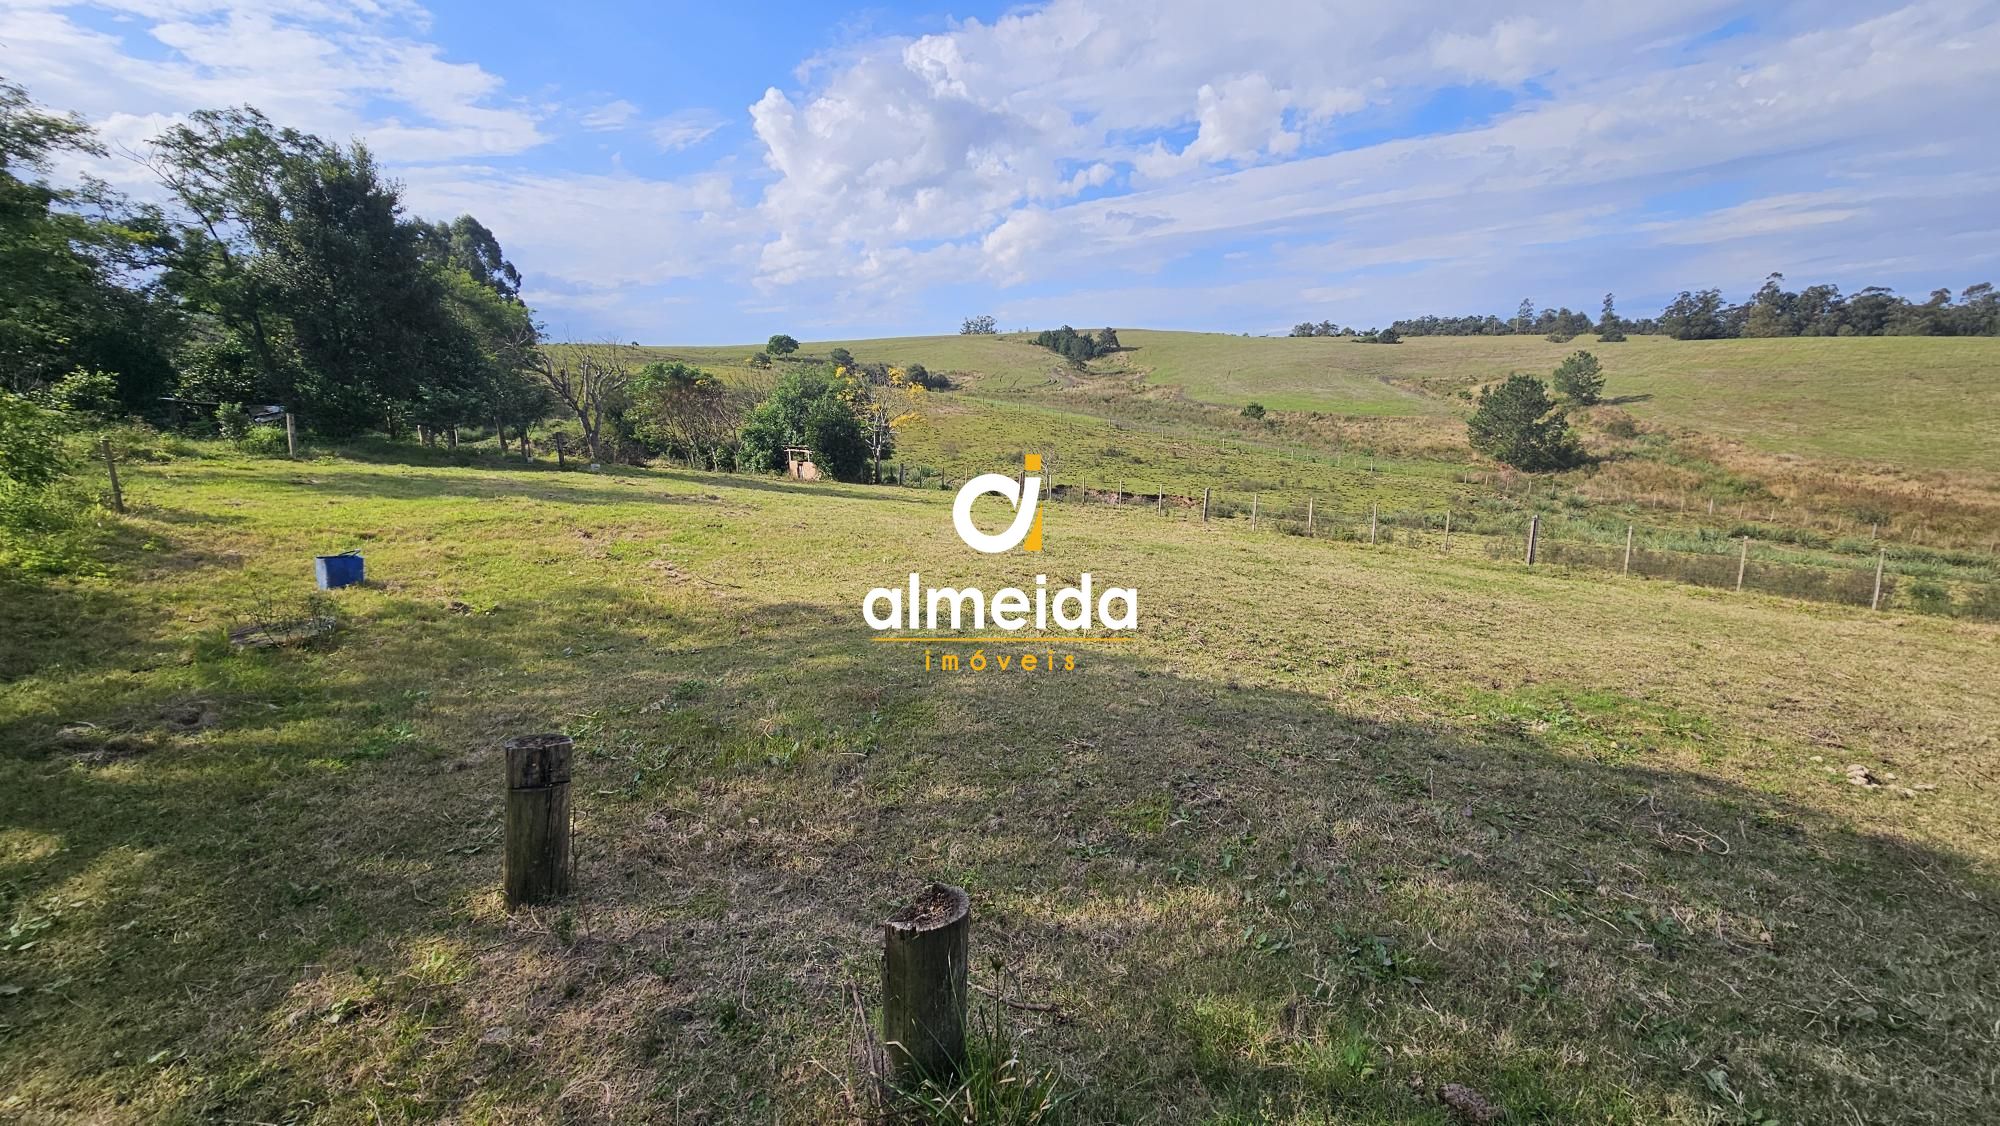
(1728, 559)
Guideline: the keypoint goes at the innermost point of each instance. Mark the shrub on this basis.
(1560, 337)
(781, 345)
(93, 393)
(1580, 378)
(1253, 410)
(233, 421)
(31, 447)
(981, 325)
(842, 356)
(760, 359)
(1517, 424)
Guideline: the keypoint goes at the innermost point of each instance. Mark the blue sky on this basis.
(716, 173)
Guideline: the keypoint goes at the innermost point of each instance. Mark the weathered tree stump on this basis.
(925, 948)
(538, 862)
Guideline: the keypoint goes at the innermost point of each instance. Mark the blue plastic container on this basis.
(344, 569)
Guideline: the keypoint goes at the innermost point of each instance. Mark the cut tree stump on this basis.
(538, 861)
(925, 948)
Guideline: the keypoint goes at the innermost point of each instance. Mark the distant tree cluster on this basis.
(981, 325)
(1364, 336)
(1323, 328)
(1526, 321)
(1818, 310)
(1079, 348)
(1821, 310)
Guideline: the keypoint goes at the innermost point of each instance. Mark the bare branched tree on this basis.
(590, 380)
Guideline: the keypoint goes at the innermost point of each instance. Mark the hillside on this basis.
(1914, 402)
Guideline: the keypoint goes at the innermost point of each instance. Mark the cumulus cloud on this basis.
(339, 69)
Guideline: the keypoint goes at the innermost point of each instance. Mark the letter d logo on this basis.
(1024, 495)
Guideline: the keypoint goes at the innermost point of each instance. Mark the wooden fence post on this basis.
(111, 467)
(1447, 531)
(1119, 496)
(925, 949)
(1161, 505)
(1371, 521)
(1742, 561)
(1309, 516)
(1534, 534)
(1204, 504)
(1628, 550)
(1253, 512)
(538, 862)
(291, 436)
(1875, 602)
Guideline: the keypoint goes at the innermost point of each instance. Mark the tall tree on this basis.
(77, 265)
(1610, 330)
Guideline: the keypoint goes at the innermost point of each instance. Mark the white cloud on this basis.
(611, 115)
(341, 70)
(685, 129)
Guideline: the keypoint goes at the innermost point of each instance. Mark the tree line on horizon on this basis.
(1773, 310)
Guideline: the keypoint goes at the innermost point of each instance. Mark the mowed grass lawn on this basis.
(1342, 826)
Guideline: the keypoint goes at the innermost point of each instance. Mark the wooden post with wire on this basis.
(925, 950)
(1253, 512)
(1742, 562)
(1534, 535)
(291, 436)
(1309, 516)
(1628, 550)
(111, 467)
(1204, 504)
(538, 864)
(1371, 521)
(1447, 531)
(1875, 601)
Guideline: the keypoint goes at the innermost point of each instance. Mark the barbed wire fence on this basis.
(1754, 557)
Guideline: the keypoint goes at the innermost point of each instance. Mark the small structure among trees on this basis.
(799, 464)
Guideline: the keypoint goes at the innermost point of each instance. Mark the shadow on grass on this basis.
(1240, 902)
(611, 486)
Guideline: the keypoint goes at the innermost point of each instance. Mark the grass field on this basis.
(1914, 402)
(1341, 826)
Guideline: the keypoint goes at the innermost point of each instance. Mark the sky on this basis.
(716, 173)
